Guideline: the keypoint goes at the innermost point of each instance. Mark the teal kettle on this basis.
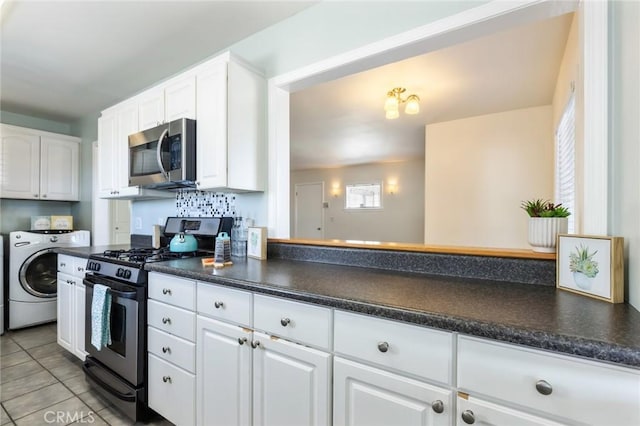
(183, 243)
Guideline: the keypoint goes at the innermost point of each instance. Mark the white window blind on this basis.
(566, 161)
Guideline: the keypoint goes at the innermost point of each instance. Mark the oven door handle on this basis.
(107, 387)
(123, 294)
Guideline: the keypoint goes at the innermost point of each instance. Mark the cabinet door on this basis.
(79, 319)
(127, 124)
(211, 131)
(180, 99)
(367, 396)
(20, 159)
(107, 169)
(471, 410)
(291, 384)
(151, 108)
(65, 311)
(223, 363)
(59, 169)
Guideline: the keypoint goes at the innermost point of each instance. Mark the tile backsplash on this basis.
(205, 204)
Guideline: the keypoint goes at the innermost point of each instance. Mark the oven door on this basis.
(125, 355)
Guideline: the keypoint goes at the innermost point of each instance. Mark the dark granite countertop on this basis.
(532, 315)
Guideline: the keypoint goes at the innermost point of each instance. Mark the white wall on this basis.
(400, 219)
(478, 171)
(625, 138)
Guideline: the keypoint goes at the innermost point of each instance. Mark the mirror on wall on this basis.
(456, 172)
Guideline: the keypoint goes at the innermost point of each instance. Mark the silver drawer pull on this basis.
(80, 269)
(543, 387)
(468, 417)
(63, 265)
(166, 379)
(218, 305)
(285, 322)
(166, 349)
(255, 344)
(438, 406)
(242, 340)
(166, 291)
(166, 320)
(383, 347)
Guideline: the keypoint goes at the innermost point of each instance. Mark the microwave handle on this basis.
(164, 134)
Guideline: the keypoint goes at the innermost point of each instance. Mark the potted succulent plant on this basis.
(546, 221)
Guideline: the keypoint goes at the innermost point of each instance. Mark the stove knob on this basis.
(96, 266)
(120, 273)
(127, 274)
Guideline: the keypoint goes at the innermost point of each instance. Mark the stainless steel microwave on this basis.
(164, 156)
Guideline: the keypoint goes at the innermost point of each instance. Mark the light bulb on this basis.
(413, 105)
(392, 102)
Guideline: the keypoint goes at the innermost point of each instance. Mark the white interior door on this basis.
(309, 213)
(120, 221)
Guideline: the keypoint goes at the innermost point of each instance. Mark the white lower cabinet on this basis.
(557, 386)
(71, 304)
(368, 396)
(171, 348)
(223, 363)
(246, 377)
(291, 383)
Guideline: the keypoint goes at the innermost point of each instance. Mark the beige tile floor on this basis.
(42, 384)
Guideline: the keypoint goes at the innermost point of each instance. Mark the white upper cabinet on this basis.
(167, 102)
(39, 165)
(230, 114)
(114, 127)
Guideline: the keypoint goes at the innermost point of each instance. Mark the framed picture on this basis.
(591, 265)
(257, 243)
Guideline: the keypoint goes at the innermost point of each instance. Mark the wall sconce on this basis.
(392, 187)
(394, 99)
(335, 190)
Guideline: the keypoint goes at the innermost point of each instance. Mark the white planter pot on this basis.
(543, 232)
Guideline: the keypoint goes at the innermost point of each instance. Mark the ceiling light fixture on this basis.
(394, 99)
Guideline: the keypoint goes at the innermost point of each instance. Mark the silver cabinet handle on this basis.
(255, 344)
(35, 195)
(166, 379)
(62, 265)
(543, 387)
(242, 340)
(166, 320)
(218, 305)
(468, 417)
(285, 322)
(438, 406)
(80, 269)
(44, 195)
(383, 347)
(166, 291)
(166, 349)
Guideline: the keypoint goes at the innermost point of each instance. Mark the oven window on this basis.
(118, 329)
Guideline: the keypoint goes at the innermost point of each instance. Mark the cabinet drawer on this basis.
(420, 351)
(292, 320)
(173, 290)
(225, 303)
(177, 321)
(580, 390)
(470, 409)
(65, 264)
(172, 391)
(172, 348)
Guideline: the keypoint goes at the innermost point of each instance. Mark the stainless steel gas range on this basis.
(118, 370)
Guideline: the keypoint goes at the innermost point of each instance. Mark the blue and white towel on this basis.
(101, 317)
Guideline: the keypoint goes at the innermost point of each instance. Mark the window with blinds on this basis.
(565, 180)
(364, 196)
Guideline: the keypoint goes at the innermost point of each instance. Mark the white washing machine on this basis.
(32, 274)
